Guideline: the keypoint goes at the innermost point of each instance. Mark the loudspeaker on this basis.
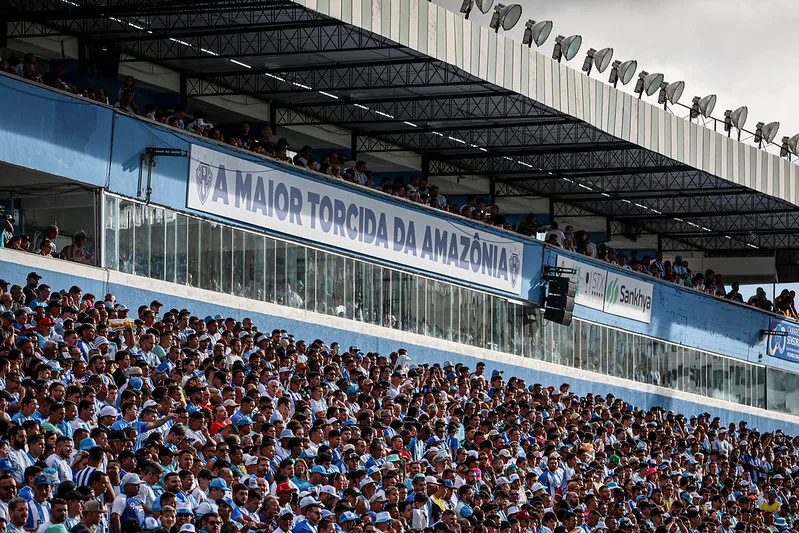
(559, 301)
(558, 315)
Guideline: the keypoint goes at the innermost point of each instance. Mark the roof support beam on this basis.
(406, 73)
(418, 110)
(313, 39)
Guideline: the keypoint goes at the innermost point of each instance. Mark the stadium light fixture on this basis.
(648, 83)
(599, 59)
(622, 72)
(735, 119)
(482, 5)
(505, 17)
(670, 93)
(566, 47)
(536, 32)
(703, 106)
(766, 132)
(789, 146)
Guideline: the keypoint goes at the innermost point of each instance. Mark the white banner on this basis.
(590, 283)
(609, 291)
(628, 297)
(249, 192)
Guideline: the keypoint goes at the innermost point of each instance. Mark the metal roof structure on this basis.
(410, 75)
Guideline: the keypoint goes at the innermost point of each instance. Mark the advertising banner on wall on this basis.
(590, 282)
(628, 297)
(610, 291)
(784, 339)
(273, 199)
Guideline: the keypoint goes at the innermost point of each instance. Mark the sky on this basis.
(742, 51)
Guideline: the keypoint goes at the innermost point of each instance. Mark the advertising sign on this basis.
(785, 344)
(270, 198)
(610, 291)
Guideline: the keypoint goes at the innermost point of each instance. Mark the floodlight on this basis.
(599, 59)
(622, 72)
(566, 47)
(789, 146)
(766, 132)
(735, 118)
(484, 5)
(536, 32)
(467, 6)
(703, 106)
(670, 93)
(648, 83)
(505, 17)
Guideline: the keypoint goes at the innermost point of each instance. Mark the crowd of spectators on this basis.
(44, 244)
(122, 421)
(676, 271)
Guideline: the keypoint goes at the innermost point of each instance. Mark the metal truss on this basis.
(110, 19)
(683, 206)
(610, 162)
(635, 186)
(729, 224)
(494, 106)
(529, 138)
(391, 74)
(222, 45)
(778, 241)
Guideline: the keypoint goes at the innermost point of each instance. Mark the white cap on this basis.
(536, 487)
(108, 411)
(328, 489)
(187, 528)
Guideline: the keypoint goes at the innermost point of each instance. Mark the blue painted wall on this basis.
(133, 297)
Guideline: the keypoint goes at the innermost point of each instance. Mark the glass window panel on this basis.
(347, 275)
(583, 341)
(360, 284)
(270, 253)
(376, 296)
(295, 275)
(643, 360)
(759, 387)
(210, 255)
(141, 241)
(431, 316)
(335, 271)
(324, 298)
(111, 233)
(195, 251)
(718, 386)
(181, 249)
(240, 273)
(615, 345)
(125, 241)
(395, 311)
(155, 216)
(226, 259)
(385, 309)
(446, 312)
(310, 279)
(170, 245)
(412, 320)
(253, 266)
(280, 272)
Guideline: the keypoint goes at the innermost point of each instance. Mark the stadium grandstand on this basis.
(364, 266)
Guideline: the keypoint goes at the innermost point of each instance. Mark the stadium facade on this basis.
(202, 225)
